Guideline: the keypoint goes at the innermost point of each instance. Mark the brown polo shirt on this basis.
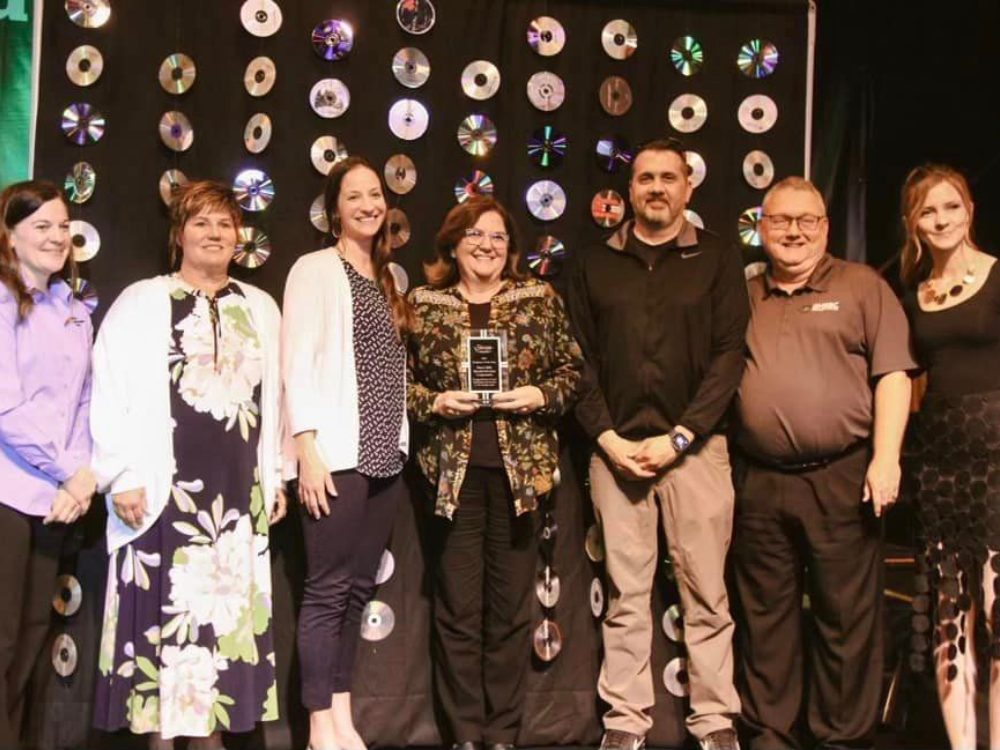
(812, 358)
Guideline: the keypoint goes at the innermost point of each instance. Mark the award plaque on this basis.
(484, 366)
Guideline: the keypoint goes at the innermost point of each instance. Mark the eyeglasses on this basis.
(806, 222)
(479, 237)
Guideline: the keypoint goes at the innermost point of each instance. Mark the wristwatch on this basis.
(679, 440)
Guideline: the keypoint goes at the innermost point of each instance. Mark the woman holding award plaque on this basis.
(493, 365)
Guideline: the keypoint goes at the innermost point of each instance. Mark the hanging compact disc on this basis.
(400, 174)
(619, 39)
(477, 135)
(253, 248)
(687, 113)
(673, 623)
(757, 58)
(758, 169)
(757, 113)
(547, 640)
(415, 16)
(546, 260)
(84, 65)
(411, 67)
(596, 597)
(80, 183)
(477, 183)
(675, 677)
(593, 543)
(257, 133)
(546, 200)
(90, 14)
(408, 119)
(398, 226)
(547, 587)
(64, 655)
(613, 153)
(377, 621)
(748, 226)
(753, 270)
(325, 152)
(329, 98)
(399, 277)
(332, 39)
(386, 567)
(171, 181)
(615, 95)
(177, 73)
(480, 79)
(607, 208)
(693, 218)
(260, 75)
(253, 189)
(687, 55)
(84, 239)
(86, 292)
(547, 147)
(546, 36)
(546, 91)
(176, 131)
(68, 596)
(82, 124)
(317, 214)
(698, 167)
(261, 17)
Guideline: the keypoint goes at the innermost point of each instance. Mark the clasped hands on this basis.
(458, 404)
(637, 459)
(72, 498)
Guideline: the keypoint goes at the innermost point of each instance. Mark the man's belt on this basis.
(797, 467)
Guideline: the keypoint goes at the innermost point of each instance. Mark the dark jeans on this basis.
(484, 582)
(343, 551)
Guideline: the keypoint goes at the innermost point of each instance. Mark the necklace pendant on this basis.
(969, 278)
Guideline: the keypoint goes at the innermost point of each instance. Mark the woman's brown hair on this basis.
(192, 199)
(442, 272)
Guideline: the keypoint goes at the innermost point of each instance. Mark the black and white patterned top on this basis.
(380, 362)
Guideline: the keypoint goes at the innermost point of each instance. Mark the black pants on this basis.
(484, 581)
(809, 532)
(29, 563)
(343, 551)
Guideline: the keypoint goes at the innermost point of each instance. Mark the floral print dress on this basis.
(186, 648)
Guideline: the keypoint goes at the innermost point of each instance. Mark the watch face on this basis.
(680, 442)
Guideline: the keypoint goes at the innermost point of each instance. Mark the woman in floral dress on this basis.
(185, 418)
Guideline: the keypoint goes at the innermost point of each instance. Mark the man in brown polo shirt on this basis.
(822, 407)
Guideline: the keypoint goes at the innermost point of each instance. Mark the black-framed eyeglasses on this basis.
(805, 222)
(479, 237)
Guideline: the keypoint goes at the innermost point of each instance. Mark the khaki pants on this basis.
(695, 498)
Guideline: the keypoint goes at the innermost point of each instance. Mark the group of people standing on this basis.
(761, 423)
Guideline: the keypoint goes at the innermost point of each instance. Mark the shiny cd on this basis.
(176, 131)
(261, 17)
(377, 621)
(546, 260)
(64, 655)
(253, 189)
(85, 291)
(253, 248)
(547, 587)
(68, 596)
(693, 218)
(480, 79)
(757, 58)
(749, 227)
(607, 208)
(547, 147)
(332, 39)
(170, 182)
(257, 133)
(546, 36)
(317, 214)
(612, 154)
(477, 183)
(758, 169)
(546, 91)
(325, 152)
(755, 269)
(90, 14)
(687, 55)
(757, 113)
(415, 16)
(80, 183)
(259, 77)
(411, 67)
(698, 168)
(619, 39)
(84, 65)
(546, 200)
(593, 543)
(177, 73)
(675, 677)
(596, 597)
(329, 98)
(82, 124)
(85, 241)
(477, 135)
(386, 567)
(673, 623)
(408, 119)
(547, 640)
(400, 174)
(615, 95)
(399, 277)
(687, 113)
(398, 226)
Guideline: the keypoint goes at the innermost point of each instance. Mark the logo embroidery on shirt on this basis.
(685, 254)
(822, 307)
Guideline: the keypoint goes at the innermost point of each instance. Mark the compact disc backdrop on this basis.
(758, 169)
(82, 124)
(687, 113)
(85, 241)
(259, 76)
(687, 55)
(757, 113)
(619, 39)
(408, 119)
(377, 621)
(480, 80)
(546, 200)
(400, 174)
(615, 95)
(253, 248)
(411, 67)
(477, 183)
(84, 65)
(546, 91)
(80, 183)
(546, 36)
(88, 14)
(253, 190)
(607, 208)
(257, 133)
(325, 152)
(333, 39)
(177, 73)
(545, 261)
(477, 135)
(329, 98)
(547, 588)
(547, 147)
(415, 16)
(261, 18)
(399, 227)
(170, 182)
(176, 131)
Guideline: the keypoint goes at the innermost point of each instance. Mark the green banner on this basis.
(16, 41)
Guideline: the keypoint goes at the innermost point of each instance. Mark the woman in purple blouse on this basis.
(45, 478)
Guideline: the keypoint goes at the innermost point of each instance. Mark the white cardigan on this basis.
(317, 352)
(130, 408)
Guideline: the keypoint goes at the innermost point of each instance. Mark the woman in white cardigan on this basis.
(186, 423)
(344, 368)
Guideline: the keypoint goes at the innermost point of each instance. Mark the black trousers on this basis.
(29, 563)
(808, 533)
(484, 581)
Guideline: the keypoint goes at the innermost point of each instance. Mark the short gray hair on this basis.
(794, 183)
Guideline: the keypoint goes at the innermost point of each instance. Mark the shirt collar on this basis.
(687, 237)
(58, 288)
(818, 281)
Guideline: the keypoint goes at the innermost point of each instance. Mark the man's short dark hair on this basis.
(663, 144)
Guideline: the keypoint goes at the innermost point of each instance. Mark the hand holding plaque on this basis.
(485, 370)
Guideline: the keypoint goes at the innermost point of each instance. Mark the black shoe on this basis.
(721, 739)
(615, 739)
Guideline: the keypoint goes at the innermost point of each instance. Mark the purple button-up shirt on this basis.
(44, 396)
